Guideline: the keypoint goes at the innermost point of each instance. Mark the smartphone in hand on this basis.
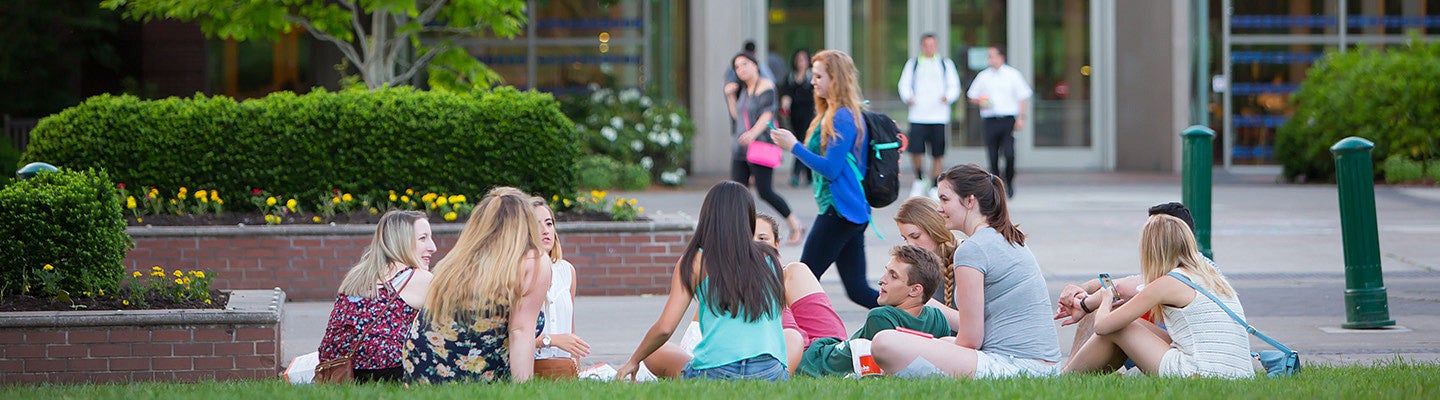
(1107, 283)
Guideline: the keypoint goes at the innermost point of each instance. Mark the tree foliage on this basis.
(382, 38)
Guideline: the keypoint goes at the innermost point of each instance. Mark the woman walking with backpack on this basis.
(838, 234)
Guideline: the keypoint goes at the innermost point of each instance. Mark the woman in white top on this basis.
(557, 340)
(1202, 339)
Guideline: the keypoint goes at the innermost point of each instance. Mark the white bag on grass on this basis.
(302, 369)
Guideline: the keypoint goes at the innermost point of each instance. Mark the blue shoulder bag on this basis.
(1279, 362)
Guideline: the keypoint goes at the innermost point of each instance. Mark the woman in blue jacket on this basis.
(838, 235)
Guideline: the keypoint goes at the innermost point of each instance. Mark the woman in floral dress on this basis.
(480, 316)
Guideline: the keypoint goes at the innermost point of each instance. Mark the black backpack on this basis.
(881, 179)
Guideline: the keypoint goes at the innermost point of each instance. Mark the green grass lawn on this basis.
(1386, 381)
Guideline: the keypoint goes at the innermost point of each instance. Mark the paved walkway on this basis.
(1279, 244)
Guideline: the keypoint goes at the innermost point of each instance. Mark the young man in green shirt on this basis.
(911, 278)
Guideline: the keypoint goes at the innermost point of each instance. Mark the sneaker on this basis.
(918, 188)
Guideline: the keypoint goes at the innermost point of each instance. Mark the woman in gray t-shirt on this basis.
(752, 104)
(1004, 324)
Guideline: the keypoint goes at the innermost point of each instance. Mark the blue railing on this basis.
(1330, 21)
(1259, 121)
(1247, 89)
(1265, 152)
(1274, 57)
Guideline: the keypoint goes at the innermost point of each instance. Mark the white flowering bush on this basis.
(633, 128)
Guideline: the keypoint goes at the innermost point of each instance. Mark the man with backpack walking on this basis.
(929, 84)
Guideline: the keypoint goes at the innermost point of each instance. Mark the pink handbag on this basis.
(763, 154)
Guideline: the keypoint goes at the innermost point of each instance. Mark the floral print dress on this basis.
(352, 317)
(456, 351)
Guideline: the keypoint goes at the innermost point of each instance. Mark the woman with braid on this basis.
(922, 225)
(1002, 303)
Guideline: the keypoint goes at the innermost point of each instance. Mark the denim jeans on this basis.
(763, 366)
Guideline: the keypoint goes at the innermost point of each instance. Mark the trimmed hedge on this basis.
(306, 145)
(1388, 97)
(68, 219)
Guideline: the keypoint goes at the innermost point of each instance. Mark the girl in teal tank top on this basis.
(738, 284)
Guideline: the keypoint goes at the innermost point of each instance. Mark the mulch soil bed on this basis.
(218, 299)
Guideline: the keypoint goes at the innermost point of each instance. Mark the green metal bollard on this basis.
(1196, 181)
(29, 170)
(1366, 303)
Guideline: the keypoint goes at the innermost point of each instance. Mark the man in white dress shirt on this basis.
(1001, 92)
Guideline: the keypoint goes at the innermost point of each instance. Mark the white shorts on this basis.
(990, 365)
(987, 365)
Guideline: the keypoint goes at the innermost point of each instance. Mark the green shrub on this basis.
(597, 172)
(1388, 97)
(1432, 170)
(632, 128)
(68, 219)
(633, 177)
(305, 146)
(1401, 169)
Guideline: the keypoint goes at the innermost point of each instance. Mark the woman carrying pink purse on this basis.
(752, 104)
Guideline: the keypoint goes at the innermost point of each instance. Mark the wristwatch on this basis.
(545, 340)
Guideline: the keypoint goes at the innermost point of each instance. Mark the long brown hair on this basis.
(844, 92)
(482, 273)
(989, 191)
(921, 212)
(743, 274)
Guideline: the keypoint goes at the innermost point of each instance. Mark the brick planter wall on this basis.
(308, 261)
(239, 342)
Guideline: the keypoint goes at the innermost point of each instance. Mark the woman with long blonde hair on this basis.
(558, 348)
(838, 234)
(1202, 339)
(921, 225)
(480, 316)
(380, 296)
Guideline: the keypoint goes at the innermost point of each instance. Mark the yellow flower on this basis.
(315, 218)
(49, 267)
(410, 192)
(178, 273)
(219, 200)
(428, 197)
(640, 210)
(291, 204)
(214, 195)
(335, 200)
(125, 302)
(567, 202)
(632, 202)
(456, 199)
(374, 211)
(202, 195)
(139, 220)
(130, 202)
(179, 282)
(404, 199)
(450, 216)
(392, 196)
(270, 201)
(157, 269)
(207, 301)
(187, 280)
(87, 294)
(182, 195)
(348, 197)
(594, 193)
(441, 201)
(555, 198)
(136, 274)
(157, 274)
(102, 292)
(199, 274)
(620, 202)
